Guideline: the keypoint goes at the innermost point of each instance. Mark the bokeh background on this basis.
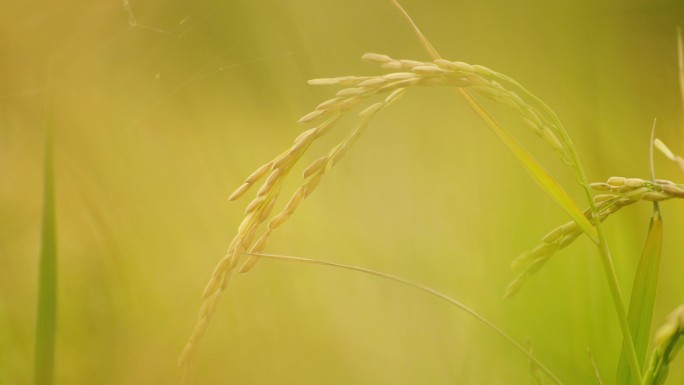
(161, 108)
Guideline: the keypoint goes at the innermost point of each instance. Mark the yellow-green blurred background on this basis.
(161, 110)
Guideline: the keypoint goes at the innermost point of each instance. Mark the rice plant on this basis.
(472, 82)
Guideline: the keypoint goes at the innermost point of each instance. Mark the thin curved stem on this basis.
(423, 288)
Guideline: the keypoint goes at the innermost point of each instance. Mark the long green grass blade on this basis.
(642, 301)
(47, 278)
(535, 170)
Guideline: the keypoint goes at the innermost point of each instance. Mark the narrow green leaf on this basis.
(536, 170)
(47, 279)
(642, 301)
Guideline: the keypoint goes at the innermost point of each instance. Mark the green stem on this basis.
(421, 287)
(606, 260)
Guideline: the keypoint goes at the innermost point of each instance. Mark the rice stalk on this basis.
(668, 341)
(614, 194)
(467, 78)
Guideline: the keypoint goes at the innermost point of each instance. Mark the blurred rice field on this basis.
(161, 109)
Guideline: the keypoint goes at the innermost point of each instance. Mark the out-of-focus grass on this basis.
(46, 317)
(155, 130)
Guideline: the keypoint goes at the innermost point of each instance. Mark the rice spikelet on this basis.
(668, 341)
(615, 193)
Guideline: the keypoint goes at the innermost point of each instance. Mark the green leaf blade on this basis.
(536, 170)
(642, 301)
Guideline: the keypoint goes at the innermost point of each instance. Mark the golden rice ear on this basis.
(250, 181)
(258, 211)
(623, 194)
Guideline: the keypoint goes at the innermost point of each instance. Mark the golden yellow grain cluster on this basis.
(668, 341)
(614, 194)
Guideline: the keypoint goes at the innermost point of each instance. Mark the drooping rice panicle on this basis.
(313, 174)
(258, 210)
(615, 193)
(482, 80)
